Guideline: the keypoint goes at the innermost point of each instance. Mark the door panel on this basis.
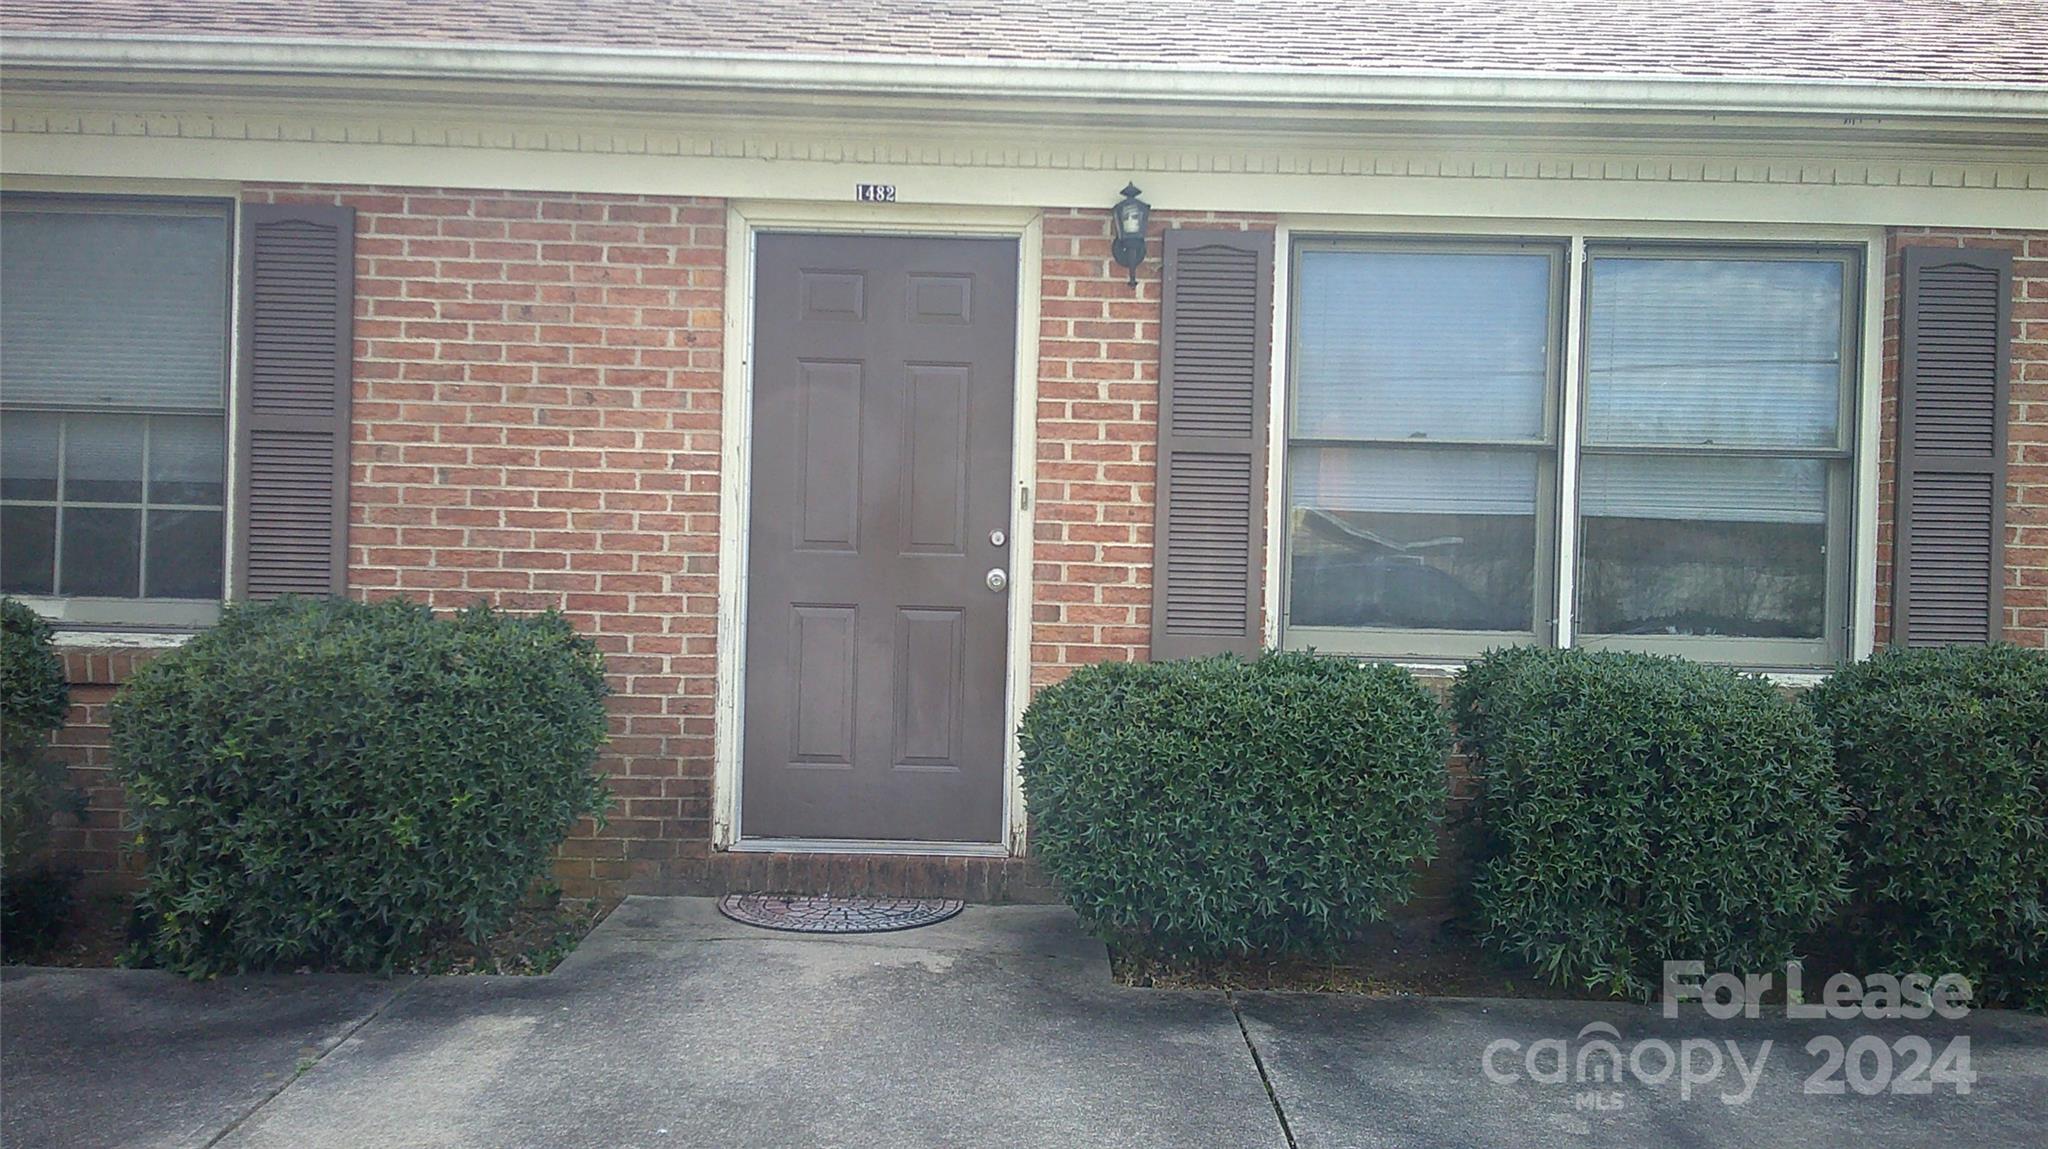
(828, 459)
(822, 678)
(883, 383)
(935, 477)
(929, 684)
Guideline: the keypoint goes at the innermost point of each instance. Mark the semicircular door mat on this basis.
(825, 914)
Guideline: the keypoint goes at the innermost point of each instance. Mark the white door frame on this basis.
(744, 220)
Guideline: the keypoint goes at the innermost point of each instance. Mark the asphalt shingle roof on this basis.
(1992, 42)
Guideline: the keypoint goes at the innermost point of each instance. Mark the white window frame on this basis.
(91, 613)
(1840, 460)
(1857, 592)
(1423, 642)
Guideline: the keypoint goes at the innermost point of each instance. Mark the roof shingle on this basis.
(1989, 42)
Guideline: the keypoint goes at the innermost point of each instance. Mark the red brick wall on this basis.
(1098, 416)
(93, 845)
(2026, 511)
(537, 425)
(537, 414)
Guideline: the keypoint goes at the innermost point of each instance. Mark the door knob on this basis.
(998, 578)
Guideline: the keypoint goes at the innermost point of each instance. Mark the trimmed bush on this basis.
(35, 897)
(1214, 807)
(330, 783)
(1636, 809)
(33, 695)
(33, 702)
(1943, 754)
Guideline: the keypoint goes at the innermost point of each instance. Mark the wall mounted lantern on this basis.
(1128, 218)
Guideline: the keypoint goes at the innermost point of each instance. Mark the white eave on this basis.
(47, 57)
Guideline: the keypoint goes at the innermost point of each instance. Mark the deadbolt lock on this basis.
(997, 538)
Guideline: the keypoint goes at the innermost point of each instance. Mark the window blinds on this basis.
(1422, 345)
(113, 309)
(1395, 480)
(1720, 352)
(1714, 489)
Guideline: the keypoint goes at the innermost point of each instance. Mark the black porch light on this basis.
(1128, 218)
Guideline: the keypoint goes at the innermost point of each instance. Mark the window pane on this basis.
(102, 552)
(184, 554)
(1713, 546)
(103, 458)
(1714, 351)
(1405, 345)
(185, 464)
(1411, 538)
(114, 308)
(28, 455)
(28, 549)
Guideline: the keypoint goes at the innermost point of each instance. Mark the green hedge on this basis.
(337, 784)
(1636, 809)
(1212, 807)
(1943, 754)
(35, 898)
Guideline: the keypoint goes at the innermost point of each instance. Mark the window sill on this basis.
(90, 615)
(1445, 671)
(1429, 671)
(130, 638)
(97, 660)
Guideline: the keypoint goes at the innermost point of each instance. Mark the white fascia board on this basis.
(62, 161)
(52, 54)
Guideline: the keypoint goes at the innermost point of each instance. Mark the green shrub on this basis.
(34, 897)
(1636, 809)
(1212, 807)
(33, 702)
(334, 783)
(1943, 754)
(33, 696)
(35, 909)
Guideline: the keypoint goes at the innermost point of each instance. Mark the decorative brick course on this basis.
(2026, 495)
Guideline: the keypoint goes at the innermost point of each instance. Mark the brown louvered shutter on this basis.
(298, 288)
(1215, 338)
(1949, 569)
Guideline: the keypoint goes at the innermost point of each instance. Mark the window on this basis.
(1422, 449)
(1713, 464)
(113, 386)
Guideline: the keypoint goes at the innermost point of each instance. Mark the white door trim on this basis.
(745, 220)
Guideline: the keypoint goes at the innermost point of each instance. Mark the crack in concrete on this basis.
(1259, 1063)
(307, 1066)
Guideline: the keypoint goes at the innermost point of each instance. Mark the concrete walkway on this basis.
(671, 1026)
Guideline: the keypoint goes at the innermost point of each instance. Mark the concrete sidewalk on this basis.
(138, 1057)
(671, 1026)
(1413, 1072)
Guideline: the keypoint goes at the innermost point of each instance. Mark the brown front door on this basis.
(883, 377)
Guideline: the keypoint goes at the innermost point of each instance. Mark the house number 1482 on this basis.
(875, 193)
